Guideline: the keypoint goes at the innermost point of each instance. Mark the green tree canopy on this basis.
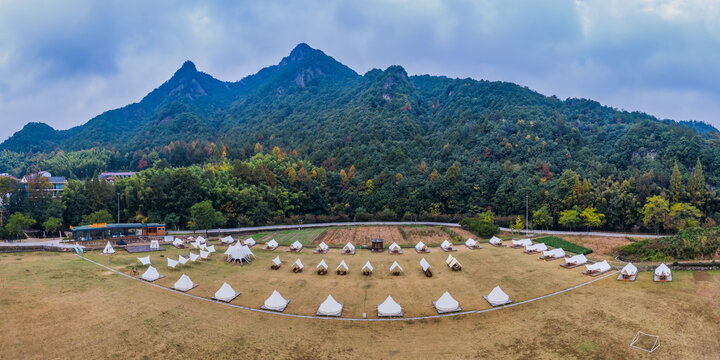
(98, 217)
(204, 216)
(52, 225)
(684, 215)
(591, 218)
(17, 223)
(541, 217)
(570, 218)
(655, 212)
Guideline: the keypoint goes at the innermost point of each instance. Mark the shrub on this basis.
(481, 228)
(685, 245)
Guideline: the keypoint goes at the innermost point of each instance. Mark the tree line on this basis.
(278, 188)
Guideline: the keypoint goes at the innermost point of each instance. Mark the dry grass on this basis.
(58, 306)
(361, 294)
(464, 233)
(604, 247)
(426, 234)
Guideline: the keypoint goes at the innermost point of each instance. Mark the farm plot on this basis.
(426, 234)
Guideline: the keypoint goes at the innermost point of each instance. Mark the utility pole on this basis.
(118, 218)
(526, 214)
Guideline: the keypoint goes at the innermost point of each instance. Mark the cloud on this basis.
(64, 62)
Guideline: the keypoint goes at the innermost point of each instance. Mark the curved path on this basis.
(588, 233)
(352, 319)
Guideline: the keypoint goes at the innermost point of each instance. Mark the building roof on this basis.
(57, 179)
(8, 176)
(119, 173)
(114, 226)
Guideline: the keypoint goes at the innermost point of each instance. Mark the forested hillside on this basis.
(311, 137)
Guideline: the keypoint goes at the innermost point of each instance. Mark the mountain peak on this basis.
(187, 68)
(302, 52)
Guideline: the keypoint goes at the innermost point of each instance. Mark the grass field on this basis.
(56, 305)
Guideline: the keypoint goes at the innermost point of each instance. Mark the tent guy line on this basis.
(351, 319)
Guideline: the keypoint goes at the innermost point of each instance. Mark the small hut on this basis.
(377, 245)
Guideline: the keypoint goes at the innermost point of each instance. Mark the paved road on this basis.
(49, 242)
(590, 233)
(303, 226)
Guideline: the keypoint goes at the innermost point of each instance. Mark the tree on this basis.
(655, 212)
(518, 226)
(591, 218)
(7, 186)
(696, 186)
(570, 218)
(204, 216)
(453, 173)
(422, 168)
(542, 217)
(487, 217)
(17, 223)
(52, 225)
(684, 215)
(676, 184)
(98, 217)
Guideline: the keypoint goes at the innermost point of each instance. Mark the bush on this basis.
(481, 228)
(557, 242)
(686, 245)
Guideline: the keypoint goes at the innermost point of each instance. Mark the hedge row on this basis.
(557, 242)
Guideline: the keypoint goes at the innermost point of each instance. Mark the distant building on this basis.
(120, 231)
(7, 196)
(112, 177)
(6, 175)
(57, 183)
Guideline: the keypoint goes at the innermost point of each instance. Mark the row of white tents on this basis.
(628, 272)
(330, 307)
(367, 269)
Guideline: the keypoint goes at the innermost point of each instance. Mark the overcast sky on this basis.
(64, 62)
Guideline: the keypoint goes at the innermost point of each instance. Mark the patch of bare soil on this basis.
(603, 247)
(361, 235)
(464, 233)
(426, 234)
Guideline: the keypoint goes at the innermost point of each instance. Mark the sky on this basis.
(64, 62)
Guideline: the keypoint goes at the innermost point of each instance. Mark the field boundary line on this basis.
(350, 319)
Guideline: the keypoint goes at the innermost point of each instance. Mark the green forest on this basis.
(311, 140)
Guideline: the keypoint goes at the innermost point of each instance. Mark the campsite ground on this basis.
(57, 305)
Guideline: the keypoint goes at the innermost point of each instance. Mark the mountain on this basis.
(383, 120)
(699, 126)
